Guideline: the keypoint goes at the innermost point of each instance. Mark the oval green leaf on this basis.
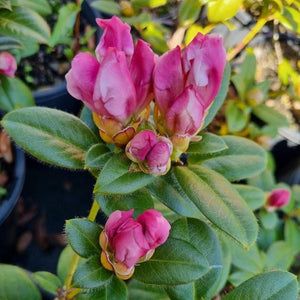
(47, 281)
(52, 136)
(83, 236)
(275, 285)
(97, 156)
(116, 177)
(241, 160)
(16, 284)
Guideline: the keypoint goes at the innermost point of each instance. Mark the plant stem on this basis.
(77, 29)
(92, 216)
(257, 27)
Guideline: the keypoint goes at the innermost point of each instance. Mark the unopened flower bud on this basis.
(8, 65)
(277, 198)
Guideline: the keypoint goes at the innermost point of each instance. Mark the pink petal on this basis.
(168, 79)
(114, 94)
(185, 116)
(81, 78)
(156, 228)
(279, 197)
(117, 35)
(204, 61)
(141, 69)
(8, 65)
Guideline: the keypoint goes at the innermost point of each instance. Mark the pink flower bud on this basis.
(278, 198)
(118, 86)
(126, 241)
(152, 153)
(8, 65)
(185, 85)
(155, 227)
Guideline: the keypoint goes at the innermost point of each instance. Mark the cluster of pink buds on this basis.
(119, 84)
(8, 65)
(125, 241)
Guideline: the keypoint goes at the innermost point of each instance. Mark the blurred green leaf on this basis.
(292, 235)
(290, 18)
(42, 7)
(222, 10)
(4, 4)
(142, 291)
(47, 281)
(189, 11)
(97, 156)
(148, 3)
(8, 43)
(107, 6)
(16, 284)
(268, 219)
(14, 94)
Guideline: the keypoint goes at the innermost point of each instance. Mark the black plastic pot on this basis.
(58, 96)
(8, 203)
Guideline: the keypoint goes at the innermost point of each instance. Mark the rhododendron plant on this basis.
(8, 65)
(277, 198)
(125, 241)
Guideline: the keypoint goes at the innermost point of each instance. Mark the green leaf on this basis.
(179, 292)
(64, 262)
(292, 235)
(116, 178)
(189, 11)
(275, 285)
(175, 262)
(83, 236)
(148, 3)
(65, 24)
(47, 281)
(238, 277)
(91, 274)
(244, 80)
(4, 4)
(268, 220)
(141, 291)
(241, 160)
(115, 289)
(279, 256)
(42, 7)
(203, 238)
(14, 94)
(254, 197)
(140, 201)
(87, 117)
(8, 43)
(107, 6)
(24, 24)
(209, 144)
(97, 156)
(270, 115)
(237, 116)
(222, 10)
(220, 97)
(199, 191)
(16, 284)
(52, 136)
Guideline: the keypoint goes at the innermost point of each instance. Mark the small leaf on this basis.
(189, 11)
(270, 115)
(91, 274)
(175, 262)
(87, 117)
(254, 197)
(275, 285)
(97, 156)
(279, 256)
(148, 3)
(23, 24)
(107, 6)
(292, 235)
(220, 97)
(14, 94)
(64, 262)
(116, 178)
(140, 201)
(179, 292)
(83, 236)
(268, 220)
(242, 159)
(209, 144)
(65, 24)
(47, 281)
(237, 116)
(16, 284)
(222, 10)
(8, 43)
(4, 4)
(52, 136)
(42, 7)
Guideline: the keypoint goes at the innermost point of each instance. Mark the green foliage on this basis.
(42, 7)
(8, 43)
(47, 281)
(275, 285)
(16, 284)
(189, 11)
(45, 138)
(202, 193)
(107, 6)
(222, 10)
(117, 178)
(83, 236)
(14, 94)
